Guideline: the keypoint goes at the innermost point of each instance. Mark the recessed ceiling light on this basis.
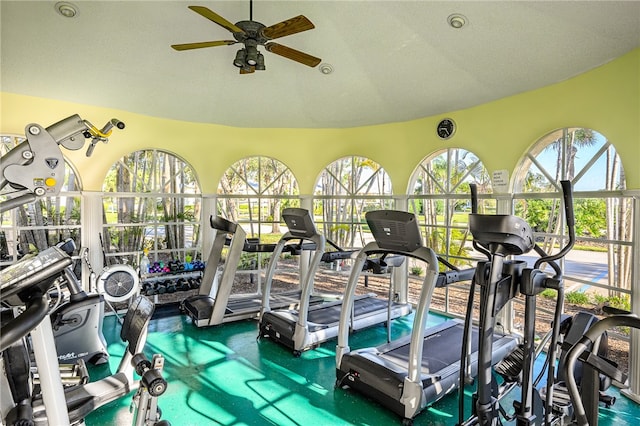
(326, 68)
(457, 20)
(68, 10)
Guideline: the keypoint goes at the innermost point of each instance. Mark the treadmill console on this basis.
(395, 230)
(512, 235)
(299, 222)
(221, 224)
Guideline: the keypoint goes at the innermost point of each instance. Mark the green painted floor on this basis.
(224, 376)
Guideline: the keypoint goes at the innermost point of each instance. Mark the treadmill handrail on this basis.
(424, 254)
(225, 283)
(306, 282)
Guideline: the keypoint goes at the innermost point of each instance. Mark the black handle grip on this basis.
(474, 197)
(567, 193)
(13, 330)
(119, 124)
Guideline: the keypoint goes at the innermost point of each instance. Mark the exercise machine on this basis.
(116, 283)
(583, 399)
(407, 374)
(500, 280)
(77, 322)
(35, 168)
(25, 289)
(214, 304)
(32, 170)
(310, 324)
(210, 306)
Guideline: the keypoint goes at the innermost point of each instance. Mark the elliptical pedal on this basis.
(510, 367)
(561, 403)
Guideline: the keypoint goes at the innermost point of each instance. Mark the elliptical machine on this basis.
(500, 280)
(584, 403)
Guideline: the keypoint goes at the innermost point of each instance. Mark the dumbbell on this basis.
(161, 287)
(182, 284)
(194, 282)
(148, 289)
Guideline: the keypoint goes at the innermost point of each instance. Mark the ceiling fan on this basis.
(253, 34)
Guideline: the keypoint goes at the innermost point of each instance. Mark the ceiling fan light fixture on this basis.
(239, 60)
(260, 63)
(252, 55)
(457, 21)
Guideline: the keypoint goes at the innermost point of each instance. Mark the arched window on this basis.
(151, 200)
(439, 195)
(599, 268)
(345, 191)
(253, 192)
(36, 226)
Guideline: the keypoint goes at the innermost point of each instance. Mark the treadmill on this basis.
(306, 327)
(407, 374)
(214, 304)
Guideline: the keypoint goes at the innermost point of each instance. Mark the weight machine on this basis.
(32, 170)
(35, 168)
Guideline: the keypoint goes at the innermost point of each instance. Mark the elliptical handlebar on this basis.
(473, 189)
(567, 193)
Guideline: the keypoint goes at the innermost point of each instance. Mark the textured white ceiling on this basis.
(393, 60)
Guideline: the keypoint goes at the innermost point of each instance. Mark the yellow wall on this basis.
(606, 99)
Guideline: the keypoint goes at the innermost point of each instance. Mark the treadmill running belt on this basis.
(439, 350)
(330, 313)
(284, 300)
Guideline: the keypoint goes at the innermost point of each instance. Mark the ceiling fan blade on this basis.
(293, 54)
(290, 26)
(200, 45)
(211, 15)
(247, 70)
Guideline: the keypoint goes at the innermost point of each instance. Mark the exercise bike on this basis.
(500, 280)
(77, 320)
(26, 285)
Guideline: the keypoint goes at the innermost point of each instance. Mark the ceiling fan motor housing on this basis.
(252, 31)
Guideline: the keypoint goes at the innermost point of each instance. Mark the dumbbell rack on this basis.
(157, 284)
